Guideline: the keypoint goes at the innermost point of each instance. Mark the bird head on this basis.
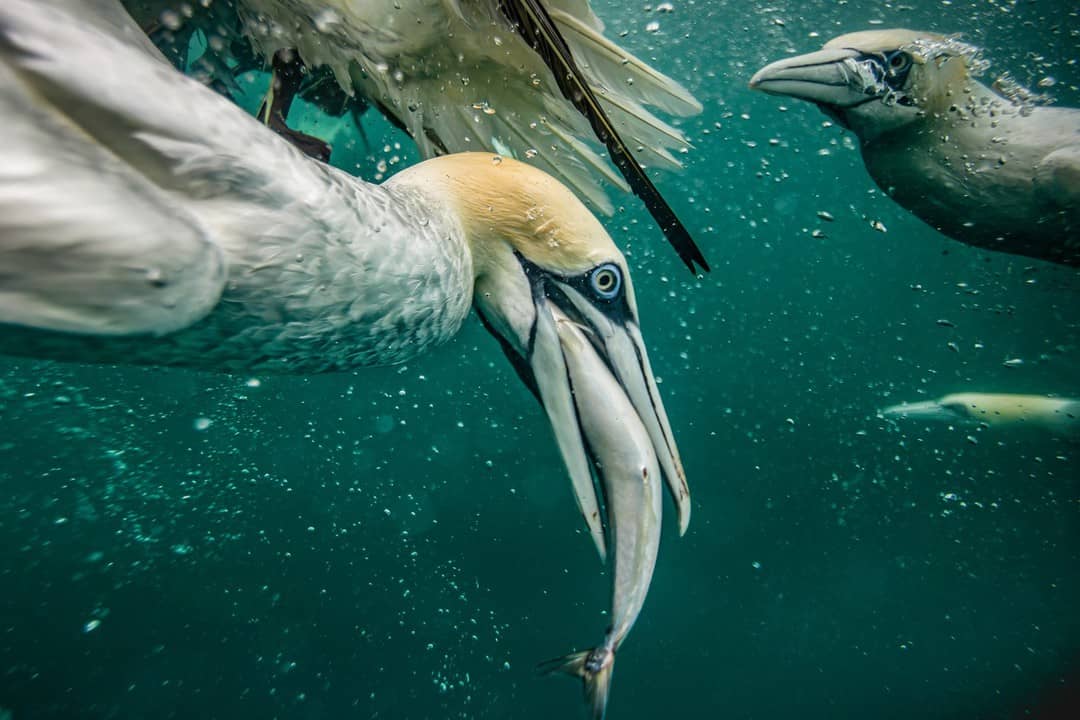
(951, 408)
(876, 81)
(553, 288)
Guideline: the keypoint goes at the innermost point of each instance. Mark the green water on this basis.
(402, 542)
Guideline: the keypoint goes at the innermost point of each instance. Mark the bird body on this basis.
(144, 219)
(234, 250)
(1060, 416)
(973, 164)
(985, 174)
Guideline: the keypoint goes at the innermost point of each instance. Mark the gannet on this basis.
(983, 169)
(1057, 415)
(145, 219)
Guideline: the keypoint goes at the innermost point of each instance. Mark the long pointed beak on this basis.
(827, 77)
(928, 410)
(614, 355)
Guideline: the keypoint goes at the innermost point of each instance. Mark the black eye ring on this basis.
(899, 61)
(606, 281)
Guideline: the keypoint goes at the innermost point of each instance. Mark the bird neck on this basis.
(956, 108)
(943, 82)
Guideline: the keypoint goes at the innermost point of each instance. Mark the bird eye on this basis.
(606, 281)
(899, 61)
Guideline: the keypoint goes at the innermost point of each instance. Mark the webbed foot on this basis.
(287, 74)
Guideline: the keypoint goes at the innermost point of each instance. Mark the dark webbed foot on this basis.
(308, 144)
(287, 74)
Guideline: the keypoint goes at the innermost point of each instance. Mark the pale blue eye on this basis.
(606, 281)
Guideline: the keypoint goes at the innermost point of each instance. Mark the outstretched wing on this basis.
(87, 244)
(460, 76)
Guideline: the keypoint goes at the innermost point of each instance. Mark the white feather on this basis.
(135, 201)
(458, 71)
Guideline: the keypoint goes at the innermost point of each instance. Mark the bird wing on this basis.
(111, 18)
(616, 73)
(458, 78)
(87, 243)
(499, 110)
(534, 24)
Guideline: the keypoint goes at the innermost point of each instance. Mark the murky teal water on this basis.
(402, 542)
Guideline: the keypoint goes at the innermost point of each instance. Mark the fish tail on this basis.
(594, 668)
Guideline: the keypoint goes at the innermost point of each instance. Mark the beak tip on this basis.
(684, 519)
(894, 412)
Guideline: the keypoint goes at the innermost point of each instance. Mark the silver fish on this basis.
(625, 459)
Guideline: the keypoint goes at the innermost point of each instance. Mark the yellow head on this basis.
(507, 205)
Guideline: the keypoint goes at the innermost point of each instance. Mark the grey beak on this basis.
(929, 410)
(827, 77)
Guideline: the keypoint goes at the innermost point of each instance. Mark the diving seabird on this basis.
(145, 219)
(981, 168)
(1057, 415)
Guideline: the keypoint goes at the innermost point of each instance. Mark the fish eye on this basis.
(606, 281)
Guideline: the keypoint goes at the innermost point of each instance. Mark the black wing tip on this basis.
(679, 238)
(692, 256)
(674, 231)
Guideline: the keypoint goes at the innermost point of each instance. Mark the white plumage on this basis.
(135, 201)
(455, 72)
(981, 168)
(145, 219)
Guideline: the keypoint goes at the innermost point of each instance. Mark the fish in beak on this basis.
(577, 345)
(599, 307)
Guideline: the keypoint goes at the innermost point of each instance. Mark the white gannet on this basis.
(983, 169)
(1058, 415)
(145, 219)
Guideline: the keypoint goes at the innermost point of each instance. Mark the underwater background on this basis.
(402, 542)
